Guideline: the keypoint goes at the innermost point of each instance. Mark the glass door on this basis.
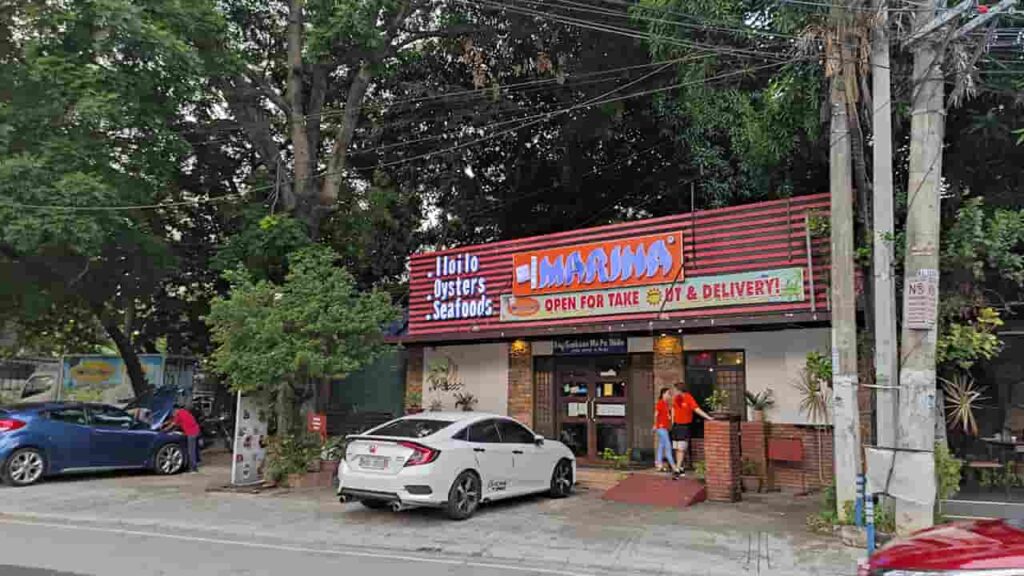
(592, 397)
(574, 385)
(609, 406)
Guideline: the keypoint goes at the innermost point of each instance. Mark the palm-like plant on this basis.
(963, 398)
(813, 397)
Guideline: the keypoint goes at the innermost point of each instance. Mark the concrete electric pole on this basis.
(916, 422)
(846, 423)
(884, 232)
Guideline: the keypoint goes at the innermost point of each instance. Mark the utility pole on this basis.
(916, 422)
(884, 232)
(846, 423)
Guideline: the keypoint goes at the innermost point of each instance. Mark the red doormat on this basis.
(655, 490)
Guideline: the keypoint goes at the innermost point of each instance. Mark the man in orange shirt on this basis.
(683, 407)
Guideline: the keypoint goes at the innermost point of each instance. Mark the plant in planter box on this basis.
(750, 476)
(334, 449)
(718, 402)
(291, 456)
(414, 402)
(760, 402)
(700, 470)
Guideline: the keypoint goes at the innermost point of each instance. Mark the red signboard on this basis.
(740, 261)
(317, 424)
(636, 261)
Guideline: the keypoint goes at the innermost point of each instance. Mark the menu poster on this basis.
(250, 448)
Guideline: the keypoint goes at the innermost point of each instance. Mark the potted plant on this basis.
(718, 404)
(760, 402)
(436, 405)
(465, 401)
(414, 402)
(750, 476)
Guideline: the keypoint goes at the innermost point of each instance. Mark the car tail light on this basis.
(420, 454)
(10, 424)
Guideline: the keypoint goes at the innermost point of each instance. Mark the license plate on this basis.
(373, 462)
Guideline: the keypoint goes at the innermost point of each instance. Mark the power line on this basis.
(698, 24)
(627, 32)
(599, 100)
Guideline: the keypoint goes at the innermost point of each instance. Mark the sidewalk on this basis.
(584, 533)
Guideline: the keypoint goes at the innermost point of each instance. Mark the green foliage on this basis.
(749, 468)
(813, 387)
(291, 454)
(819, 366)
(315, 325)
(334, 448)
(700, 470)
(947, 472)
(827, 516)
(718, 401)
(819, 224)
(984, 242)
(619, 461)
(964, 343)
(263, 246)
(747, 132)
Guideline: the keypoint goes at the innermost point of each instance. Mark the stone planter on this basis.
(751, 483)
(758, 416)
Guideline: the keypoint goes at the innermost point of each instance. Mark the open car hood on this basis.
(159, 402)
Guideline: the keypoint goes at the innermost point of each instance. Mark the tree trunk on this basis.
(140, 386)
(285, 416)
(335, 176)
(294, 94)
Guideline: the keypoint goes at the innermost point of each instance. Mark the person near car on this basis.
(184, 421)
(684, 405)
(662, 424)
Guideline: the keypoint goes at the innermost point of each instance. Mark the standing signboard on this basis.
(250, 449)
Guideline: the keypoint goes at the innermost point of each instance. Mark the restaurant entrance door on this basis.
(591, 400)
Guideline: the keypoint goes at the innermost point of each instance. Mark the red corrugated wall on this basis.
(760, 236)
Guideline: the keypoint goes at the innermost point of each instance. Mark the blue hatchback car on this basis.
(50, 438)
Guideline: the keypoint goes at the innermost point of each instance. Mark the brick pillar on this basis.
(668, 362)
(520, 382)
(722, 457)
(414, 377)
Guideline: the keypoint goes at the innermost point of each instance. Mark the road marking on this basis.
(281, 548)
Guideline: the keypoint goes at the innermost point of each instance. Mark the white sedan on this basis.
(454, 461)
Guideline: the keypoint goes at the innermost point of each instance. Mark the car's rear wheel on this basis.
(169, 459)
(24, 467)
(374, 504)
(561, 480)
(464, 496)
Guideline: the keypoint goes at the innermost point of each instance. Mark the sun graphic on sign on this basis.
(654, 296)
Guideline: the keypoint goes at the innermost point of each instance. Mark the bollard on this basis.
(858, 512)
(869, 513)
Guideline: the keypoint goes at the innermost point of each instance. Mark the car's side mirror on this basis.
(538, 440)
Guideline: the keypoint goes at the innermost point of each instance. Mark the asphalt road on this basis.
(42, 549)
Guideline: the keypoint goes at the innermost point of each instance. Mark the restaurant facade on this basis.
(574, 333)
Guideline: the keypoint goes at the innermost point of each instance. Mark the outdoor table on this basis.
(1009, 449)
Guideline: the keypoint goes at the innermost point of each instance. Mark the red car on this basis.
(982, 548)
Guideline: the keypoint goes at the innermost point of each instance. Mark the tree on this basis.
(279, 342)
(83, 125)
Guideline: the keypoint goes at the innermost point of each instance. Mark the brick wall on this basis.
(722, 450)
(520, 382)
(414, 377)
(788, 476)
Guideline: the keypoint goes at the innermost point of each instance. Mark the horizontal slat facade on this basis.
(762, 236)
